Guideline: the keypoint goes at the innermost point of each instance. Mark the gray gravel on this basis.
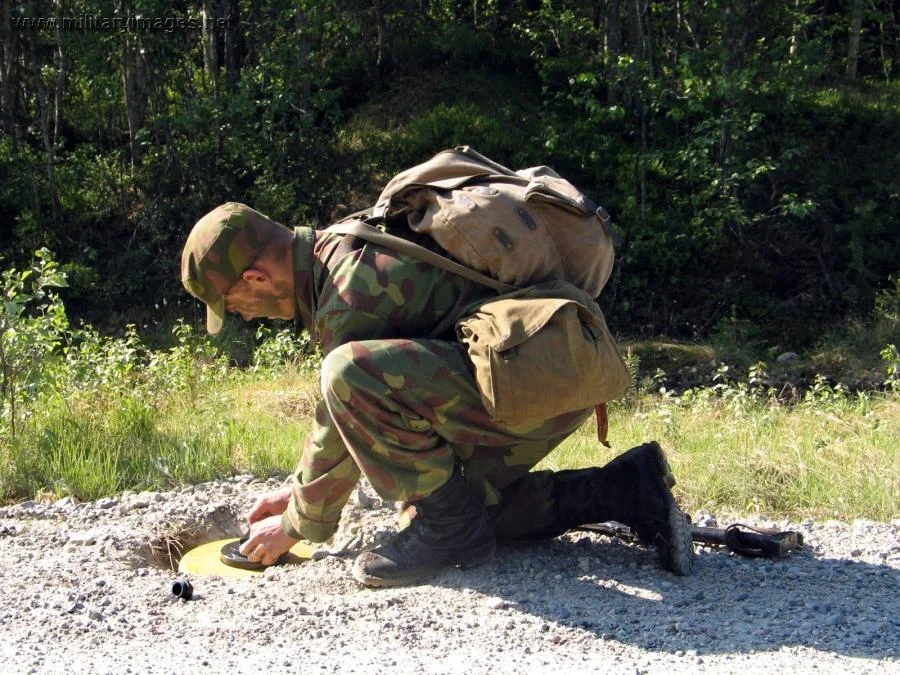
(87, 591)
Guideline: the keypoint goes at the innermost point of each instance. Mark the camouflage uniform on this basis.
(399, 399)
(400, 402)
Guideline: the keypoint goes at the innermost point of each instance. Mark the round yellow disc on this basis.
(205, 560)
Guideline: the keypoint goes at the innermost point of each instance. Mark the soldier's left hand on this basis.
(267, 542)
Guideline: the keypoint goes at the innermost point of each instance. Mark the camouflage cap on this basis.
(222, 244)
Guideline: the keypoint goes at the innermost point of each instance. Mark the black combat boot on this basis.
(633, 489)
(450, 528)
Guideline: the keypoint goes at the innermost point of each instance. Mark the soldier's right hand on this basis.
(270, 504)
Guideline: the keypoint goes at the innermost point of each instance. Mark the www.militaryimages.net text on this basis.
(130, 23)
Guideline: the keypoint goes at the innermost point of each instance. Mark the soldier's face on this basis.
(258, 296)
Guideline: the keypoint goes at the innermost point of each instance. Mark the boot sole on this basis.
(477, 557)
(676, 550)
(677, 553)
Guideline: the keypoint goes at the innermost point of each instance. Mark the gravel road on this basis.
(86, 592)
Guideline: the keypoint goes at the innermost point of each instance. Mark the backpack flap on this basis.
(488, 227)
(447, 170)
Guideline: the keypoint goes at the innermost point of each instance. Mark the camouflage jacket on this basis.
(349, 289)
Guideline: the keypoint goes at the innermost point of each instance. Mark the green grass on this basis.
(834, 455)
(105, 445)
(838, 459)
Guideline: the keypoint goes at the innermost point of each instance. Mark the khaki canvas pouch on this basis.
(542, 351)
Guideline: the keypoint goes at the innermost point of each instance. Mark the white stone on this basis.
(82, 539)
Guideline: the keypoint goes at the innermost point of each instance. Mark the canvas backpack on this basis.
(532, 236)
(521, 227)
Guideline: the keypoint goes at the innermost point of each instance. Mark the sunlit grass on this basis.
(105, 446)
(839, 459)
(730, 451)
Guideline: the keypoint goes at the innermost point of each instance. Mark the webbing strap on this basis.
(602, 424)
(373, 234)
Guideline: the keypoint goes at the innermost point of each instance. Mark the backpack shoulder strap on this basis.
(376, 236)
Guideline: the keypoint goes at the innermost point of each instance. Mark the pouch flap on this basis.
(517, 319)
(518, 315)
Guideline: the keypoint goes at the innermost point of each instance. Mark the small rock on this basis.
(836, 619)
(96, 616)
(28, 504)
(365, 501)
(3, 513)
(82, 539)
(706, 520)
(861, 526)
(107, 503)
(856, 552)
(65, 502)
(787, 358)
(496, 603)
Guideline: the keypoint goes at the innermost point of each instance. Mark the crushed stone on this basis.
(88, 590)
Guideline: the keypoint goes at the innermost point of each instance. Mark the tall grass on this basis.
(834, 454)
(86, 415)
(838, 459)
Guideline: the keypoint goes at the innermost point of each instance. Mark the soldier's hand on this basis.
(270, 504)
(267, 542)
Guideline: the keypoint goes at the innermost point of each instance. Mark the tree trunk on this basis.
(639, 49)
(795, 33)
(895, 22)
(383, 31)
(250, 32)
(233, 44)
(853, 42)
(62, 63)
(42, 100)
(635, 28)
(613, 48)
(9, 49)
(134, 84)
(301, 21)
(210, 54)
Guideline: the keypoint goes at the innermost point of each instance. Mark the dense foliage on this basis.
(750, 151)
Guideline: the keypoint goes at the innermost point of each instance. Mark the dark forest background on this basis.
(748, 151)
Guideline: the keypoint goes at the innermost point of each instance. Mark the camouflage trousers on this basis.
(409, 410)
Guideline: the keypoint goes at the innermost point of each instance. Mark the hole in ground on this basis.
(174, 536)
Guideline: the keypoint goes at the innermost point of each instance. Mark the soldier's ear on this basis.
(254, 276)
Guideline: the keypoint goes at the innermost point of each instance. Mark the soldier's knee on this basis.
(337, 371)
